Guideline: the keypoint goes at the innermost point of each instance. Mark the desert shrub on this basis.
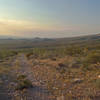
(76, 62)
(7, 53)
(21, 77)
(39, 52)
(93, 58)
(4, 70)
(97, 83)
(23, 82)
(53, 59)
(61, 65)
(56, 52)
(29, 54)
(61, 68)
(74, 51)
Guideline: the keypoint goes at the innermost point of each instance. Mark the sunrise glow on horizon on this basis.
(49, 18)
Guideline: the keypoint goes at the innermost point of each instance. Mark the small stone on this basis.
(98, 76)
(77, 80)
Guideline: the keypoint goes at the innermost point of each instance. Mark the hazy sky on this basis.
(49, 18)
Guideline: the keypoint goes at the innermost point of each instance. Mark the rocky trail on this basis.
(4, 94)
(38, 91)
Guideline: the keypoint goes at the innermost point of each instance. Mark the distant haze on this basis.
(49, 18)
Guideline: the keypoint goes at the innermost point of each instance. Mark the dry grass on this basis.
(46, 70)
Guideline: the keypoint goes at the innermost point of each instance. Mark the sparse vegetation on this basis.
(23, 83)
(97, 83)
(93, 57)
(69, 69)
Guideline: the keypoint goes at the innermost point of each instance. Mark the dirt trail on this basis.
(5, 79)
(4, 92)
(38, 92)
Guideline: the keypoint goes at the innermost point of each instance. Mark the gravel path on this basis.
(38, 92)
(4, 93)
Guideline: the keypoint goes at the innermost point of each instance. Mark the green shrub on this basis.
(73, 51)
(93, 58)
(4, 54)
(24, 84)
(29, 54)
(97, 83)
(21, 77)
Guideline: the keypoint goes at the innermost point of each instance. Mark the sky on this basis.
(49, 18)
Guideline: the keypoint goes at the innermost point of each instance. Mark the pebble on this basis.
(77, 80)
(98, 76)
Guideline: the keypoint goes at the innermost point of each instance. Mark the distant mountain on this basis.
(86, 38)
(37, 40)
(7, 41)
(7, 37)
